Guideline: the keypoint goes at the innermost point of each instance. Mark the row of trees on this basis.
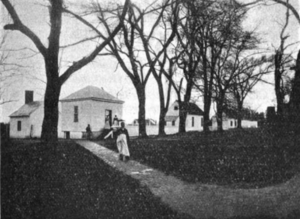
(185, 45)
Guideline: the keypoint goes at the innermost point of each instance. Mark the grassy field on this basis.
(71, 184)
(250, 158)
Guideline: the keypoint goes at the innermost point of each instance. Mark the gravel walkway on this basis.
(208, 201)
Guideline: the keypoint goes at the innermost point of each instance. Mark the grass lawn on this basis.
(71, 184)
(248, 158)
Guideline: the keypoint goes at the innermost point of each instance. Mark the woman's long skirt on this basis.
(122, 145)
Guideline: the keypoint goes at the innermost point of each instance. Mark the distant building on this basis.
(230, 122)
(90, 105)
(148, 122)
(194, 119)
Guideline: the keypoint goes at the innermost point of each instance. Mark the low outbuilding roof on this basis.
(92, 93)
(192, 109)
(27, 109)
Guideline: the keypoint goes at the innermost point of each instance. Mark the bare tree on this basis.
(167, 11)
(282, 64)
(12, 69)
(294, 103)
(221, 41)
(211, 41)
(136, 50)
(249, 72)
(7, 70)
(127, 49)
(228, 69)
(50, 55)
(188, 58)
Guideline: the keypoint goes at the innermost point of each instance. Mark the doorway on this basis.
(67, 134)
(108, 117)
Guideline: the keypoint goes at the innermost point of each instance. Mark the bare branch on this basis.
(85, 60)
(18, 25)
(79, 42)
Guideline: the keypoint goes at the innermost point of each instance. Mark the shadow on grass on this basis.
(237, 158)
(73, 183)
(293, 215)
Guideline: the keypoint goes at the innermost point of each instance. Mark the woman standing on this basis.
(123, 142)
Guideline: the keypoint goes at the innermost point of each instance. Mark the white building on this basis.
(194, 119)
(90, 105)
(27, 121)
(230, 123)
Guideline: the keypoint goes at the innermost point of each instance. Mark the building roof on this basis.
(26, 109)
(147, 120)
(192, 109)
(92, 93)
(171, 118)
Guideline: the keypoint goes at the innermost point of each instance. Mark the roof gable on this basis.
(27, 109)
(192, 109)
(92, 93)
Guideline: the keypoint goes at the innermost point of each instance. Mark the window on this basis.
(75, 113)
(19, 125)
(175, 107)
(173, 123)
(193, 121)
(231, 123)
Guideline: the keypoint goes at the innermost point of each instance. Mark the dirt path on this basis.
(207, 201)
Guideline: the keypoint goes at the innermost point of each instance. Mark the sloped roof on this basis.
(93, 93)
(26, 109)
(171, 118)
(147, 120)
(192, 109)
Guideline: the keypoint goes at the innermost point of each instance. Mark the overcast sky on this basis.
(104, 72)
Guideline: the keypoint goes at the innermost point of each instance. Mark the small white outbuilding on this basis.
(194, 119)
(231, 123)
(27, 121)
(90, 105)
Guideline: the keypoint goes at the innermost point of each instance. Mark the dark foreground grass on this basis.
(236, 158)
(71, 184)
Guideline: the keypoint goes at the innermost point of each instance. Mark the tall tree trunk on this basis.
(295, 97)
(51, 116)
(206, 120)
(140, 89)
(219, 120)
(207, 98)
(240, 108)
(162, 123)
(51, 101)
(183, 107)
(163, 109)
(182, 119)
(207, 104)
(220, 115)
(278, 88)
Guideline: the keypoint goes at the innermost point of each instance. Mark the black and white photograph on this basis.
(132, 109)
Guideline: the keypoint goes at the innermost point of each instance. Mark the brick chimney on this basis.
(28, 96)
